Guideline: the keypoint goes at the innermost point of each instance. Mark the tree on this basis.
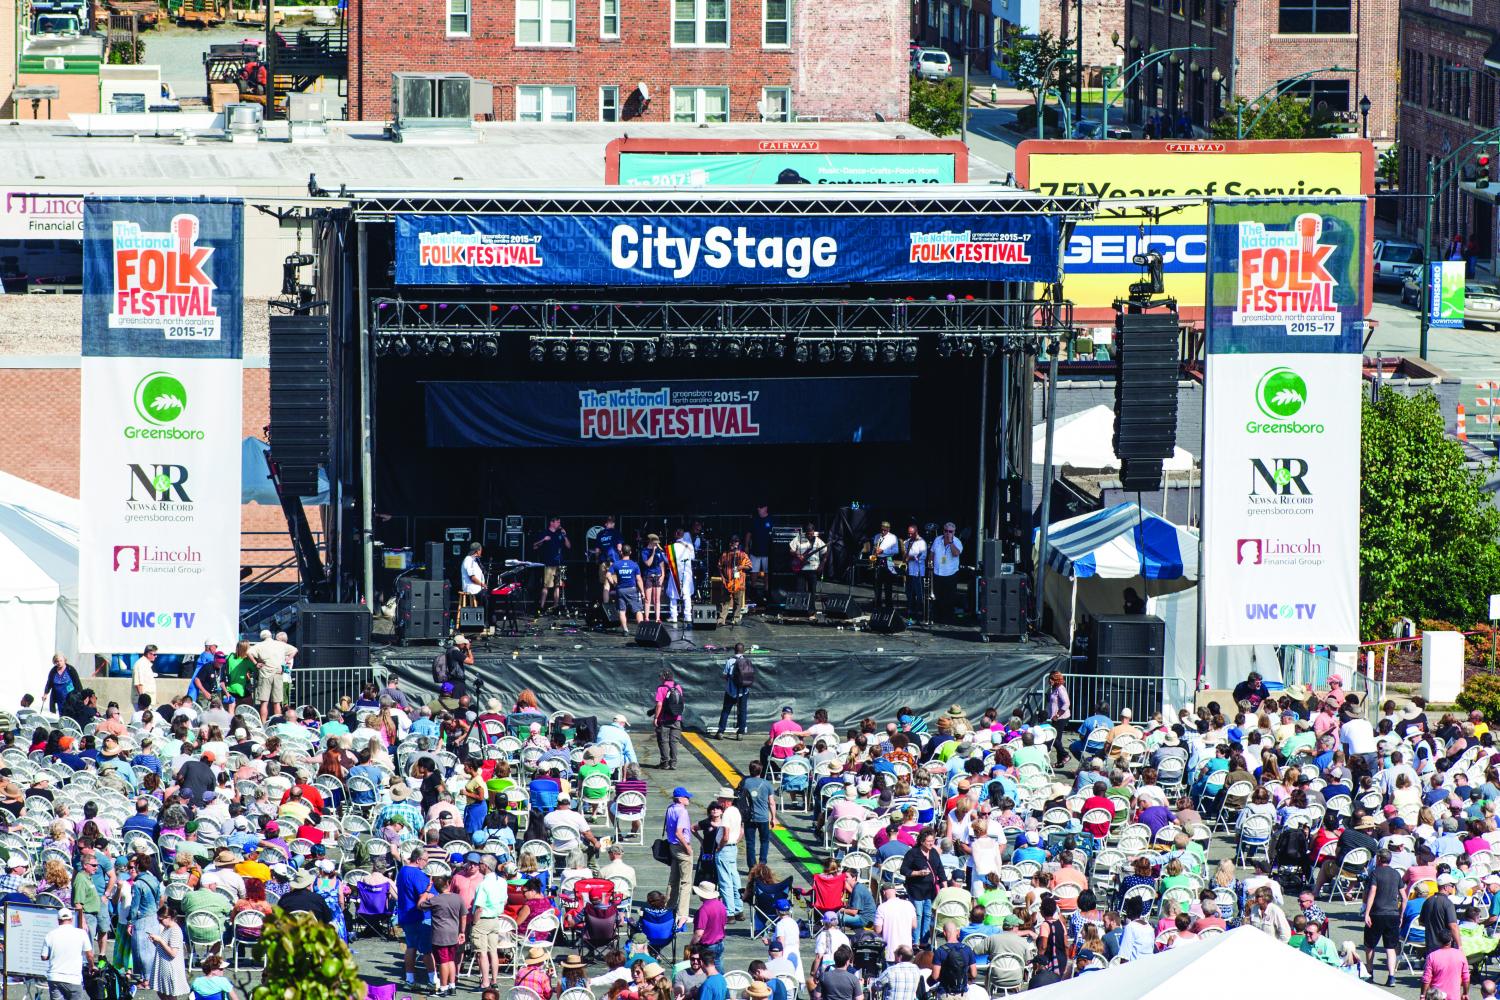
(1284, 118)
(1036, 63)
(937, 106)
(305, 960)
(1428, 529)
(1388, 168)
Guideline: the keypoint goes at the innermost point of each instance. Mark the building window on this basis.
(544, 22)
(609, 104)
(1314, 17)
(609, 18)
(458, 18)
(1332, 93)
(700, 22)
(697, 105)
(931, 14)
(776, 104)
(776, 23)
(545, 104)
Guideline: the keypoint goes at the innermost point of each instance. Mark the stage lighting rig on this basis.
(601, 351)
(401, 346)
(846, 353)
(489, 347)
(648, 351)
(537, 352)
(734, 348)
(626, 352)
(867, 351)
(825, 352)
(443, 346)
(559, 350)
(668, 349)
(580, 351)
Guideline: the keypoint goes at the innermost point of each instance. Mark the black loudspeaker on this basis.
(301, 400)
(652, 634)
(332, 655)
(992, 554)
(1145, 396)
(888, 622)
(797, 604)
(333, 625)
(435, 553)
(840, 607)
(471, 618)
(705, 617)
(1127, 645)
(423, 595)
(423, 625)
(1002, 606)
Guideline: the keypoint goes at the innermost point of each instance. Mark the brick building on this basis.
(953, 25)
(1256, 44)
(1450, 50)
(701, 61)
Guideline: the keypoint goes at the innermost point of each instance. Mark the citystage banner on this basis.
(159, 547)
(685, 412)
(1282, 422)
(616, 250)
(697, 170)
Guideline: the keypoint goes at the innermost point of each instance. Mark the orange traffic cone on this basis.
(1461, 429)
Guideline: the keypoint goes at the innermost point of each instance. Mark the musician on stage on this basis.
(680, 555)
(653, 571)
(807, 558)
(606, 552)
(471, 575)
(946, 550)
(734, 570)
(885, 549)
(758, 548)
(916, 573)
(550, 547)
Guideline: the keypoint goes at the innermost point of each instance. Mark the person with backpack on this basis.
(955, 961)
(448, 666)
(739, 677)
(668, 720)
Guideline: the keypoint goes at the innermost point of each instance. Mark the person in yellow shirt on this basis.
(253, 867)
(1480, 726)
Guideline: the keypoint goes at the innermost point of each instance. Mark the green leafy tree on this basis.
(1036, 63)
(1284, 118)
(1428, 529)
(305, 960)
(1388, 168)
(937, 106)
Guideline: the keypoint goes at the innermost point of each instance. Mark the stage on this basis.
(851, 672)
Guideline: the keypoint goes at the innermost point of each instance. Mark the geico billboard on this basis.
(1097, 266)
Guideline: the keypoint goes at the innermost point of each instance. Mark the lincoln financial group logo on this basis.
(1280, 396)
(157, 494)
(154, 559)
(160, 399)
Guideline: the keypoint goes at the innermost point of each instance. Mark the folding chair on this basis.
(1006, 975)
(1351, 872)
(244, 932)
(795, 778)
(1255, 836)
(203, 931)
(630, 808)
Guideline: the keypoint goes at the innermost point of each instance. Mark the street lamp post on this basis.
(1364, 115)
(1128, 75)
(1041, 97)
(1275, 91)
(1487, 138)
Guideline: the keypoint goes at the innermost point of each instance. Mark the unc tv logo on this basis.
(158, 484)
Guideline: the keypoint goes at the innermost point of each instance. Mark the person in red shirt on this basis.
(1098, 800)
(1209, 908)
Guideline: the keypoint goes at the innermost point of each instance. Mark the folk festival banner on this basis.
(1282, 422)
(159, 547)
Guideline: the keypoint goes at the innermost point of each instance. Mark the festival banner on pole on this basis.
(1445, 293)
(159, 547)
(1282, 422)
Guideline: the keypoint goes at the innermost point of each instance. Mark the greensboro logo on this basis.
(1280, 394)
(160, 398)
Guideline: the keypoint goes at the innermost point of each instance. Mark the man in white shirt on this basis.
(143, 674)
(916, 572)
(268, 655)
(828, 941)
(1358, 739)
(946, 550)
(472, 575)
(885, 548)
(727, 861)
(65, 949)
(617, 868)
(680, 587)
(895, 922)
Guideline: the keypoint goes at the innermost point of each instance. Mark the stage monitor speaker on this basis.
(314, 655)
(301, 392)
(1145, 395)
(471, 618)
(888, 622)
(840, 607)
(652, 634)
(795, 604)
(435, 556)
(333, 624)
(1002, 607)
(705, 617)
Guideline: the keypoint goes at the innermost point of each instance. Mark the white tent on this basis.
(1242, 964)
(1082, 440)
(39, 584)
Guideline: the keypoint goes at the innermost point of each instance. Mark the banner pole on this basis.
(1208, 319)
(984, 404)
(366, 458)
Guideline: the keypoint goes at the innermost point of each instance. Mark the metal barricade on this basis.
(322, 687)
(1143, 695)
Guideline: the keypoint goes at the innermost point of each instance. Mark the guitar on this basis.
(800, 559)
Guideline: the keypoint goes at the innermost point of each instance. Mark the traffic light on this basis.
(1483, 179)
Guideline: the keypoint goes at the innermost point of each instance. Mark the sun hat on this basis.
(653, 971)
(573, 962)
(758, 990)
(706, 890)
(725, 792)
(536, 953)
(301, 880)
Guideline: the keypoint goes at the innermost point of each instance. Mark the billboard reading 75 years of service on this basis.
(1097, 264)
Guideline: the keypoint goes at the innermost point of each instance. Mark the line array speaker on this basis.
(301, 400)
(333, 655)
(1145, 396)
(1128, 645)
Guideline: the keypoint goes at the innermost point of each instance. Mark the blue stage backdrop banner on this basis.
(720, 411)
(612, 250)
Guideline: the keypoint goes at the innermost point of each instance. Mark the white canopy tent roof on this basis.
(1218, 968)
(39, 584)
(1082, 440)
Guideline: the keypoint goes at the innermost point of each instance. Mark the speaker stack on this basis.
(333, 635)
(301, 400)
(422, 613)
(1002, 606)
(1145, 396)
(434, 563)
(1129, 646)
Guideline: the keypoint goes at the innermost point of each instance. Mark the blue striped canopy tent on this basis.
(1093, 558)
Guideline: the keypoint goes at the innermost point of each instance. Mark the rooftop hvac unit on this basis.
(436, 102)
(242, 121)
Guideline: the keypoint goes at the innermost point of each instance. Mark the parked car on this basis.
(1395, 262)
(1089, 128)
(932, 64)
(1481, 300)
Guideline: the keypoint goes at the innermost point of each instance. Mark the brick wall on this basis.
(1101, 18)
(847, 60)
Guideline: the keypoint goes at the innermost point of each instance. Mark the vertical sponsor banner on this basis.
(159, 547)
(1445, 293)
(1282, 422)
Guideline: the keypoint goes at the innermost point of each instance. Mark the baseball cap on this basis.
(786, 708)
(681, 793)
(1447, 879)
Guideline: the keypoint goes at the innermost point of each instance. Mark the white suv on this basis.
(932, 64)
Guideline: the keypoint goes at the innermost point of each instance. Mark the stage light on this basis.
(846, 353)
(966, 347)
(538, 353)
(988, 345)
(888, 353)
(489, 347)
(800, 353)
(867, 351)
(466, 346)
(945, 347)
(825, 352)
(402, 347)
(778, 348)
(734, 348)
(755, 350)
(444, 346)
(668, 349)
(421, 307)
(423, 345)
(711, 347)
(688, 350)
(381, 347)
(909, 351)
(626, 352)
(559, 351)
(648, 351)
(601, 350)
(580, 351)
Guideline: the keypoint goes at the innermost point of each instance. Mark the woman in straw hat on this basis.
(534, 974)
(571, 973)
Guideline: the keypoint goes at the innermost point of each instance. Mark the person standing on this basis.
(653, 571)
(606, 552)
(412, 882)
(709, 922)
(807, 559)
(680, 556)
(677, 830)
(143, 674)
(169, 979)
(734, 570)
(446, 910)
(1059, 703)
(922, 868)
(490, 897)
(758, 548)
(668, 720)
(758, 811)
(471, 577)
(551, 547)
(1382, 915)
(624, 577)
(727, 861)
(62, 680)
(946, 550)
(884, 549)
(66, 949)
(916, 575)
(739, 676)
(1445, 973)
